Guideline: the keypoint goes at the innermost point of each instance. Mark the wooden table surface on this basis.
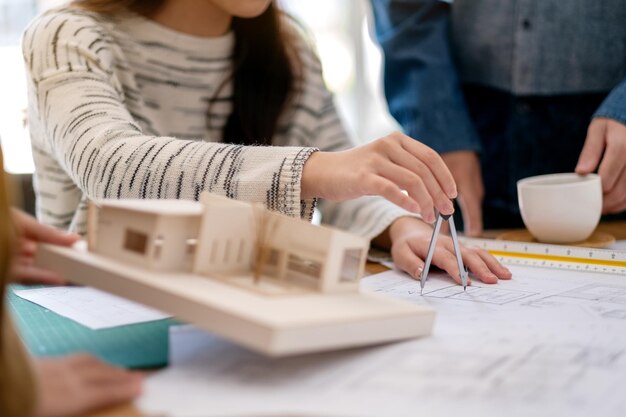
(617, 229)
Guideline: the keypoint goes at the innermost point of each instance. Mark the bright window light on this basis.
(13, 103)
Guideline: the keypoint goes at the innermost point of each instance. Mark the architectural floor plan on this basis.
(547, 343)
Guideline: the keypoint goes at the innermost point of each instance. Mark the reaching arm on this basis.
(391, 227)
(79, 108)
(93, 144)
(366, 216)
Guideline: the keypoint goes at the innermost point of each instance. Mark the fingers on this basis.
(105, 385)
(446, 260)
(27, 248)
(593, 147)
(607, 137)
(401, 158)
(32, 229)
(96, 372)
(484, 266)
(406, 259)
(614, 159)
(494, 265)
(398, 161)
(480, 262)
(615, 200)
(30, 274)
(432, 160)
(479, 268)
(377, 185)
(410, 242)
(114, 391)
(417, 190)
(25, 271)
(75, 385)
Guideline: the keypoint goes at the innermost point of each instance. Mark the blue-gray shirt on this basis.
(525, 47)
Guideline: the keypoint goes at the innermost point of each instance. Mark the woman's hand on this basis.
(78, 384)
(384, 167)
(410, 238)
(31, 232)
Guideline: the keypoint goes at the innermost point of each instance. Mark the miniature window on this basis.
(269, 260)
(304, 266)
(351, 265)
(136, 241)
(271, 257)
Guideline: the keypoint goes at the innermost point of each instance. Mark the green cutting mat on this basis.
(45, 333)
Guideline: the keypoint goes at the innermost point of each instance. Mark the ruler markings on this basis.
(553, 256)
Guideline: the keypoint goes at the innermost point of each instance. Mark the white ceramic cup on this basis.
(560, 208)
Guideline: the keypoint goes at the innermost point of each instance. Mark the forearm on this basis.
(106, 154)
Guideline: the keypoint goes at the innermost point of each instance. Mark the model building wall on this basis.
(226, 238)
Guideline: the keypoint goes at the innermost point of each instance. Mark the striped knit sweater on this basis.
(122, 107)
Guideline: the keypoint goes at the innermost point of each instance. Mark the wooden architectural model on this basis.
(273, 283)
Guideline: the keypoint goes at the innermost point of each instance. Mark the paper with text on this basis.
(547, 343)
(90, 307)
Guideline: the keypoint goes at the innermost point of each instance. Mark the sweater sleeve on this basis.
(77, 108)
(365, 216)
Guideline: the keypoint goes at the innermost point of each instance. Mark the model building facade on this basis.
(233, 241)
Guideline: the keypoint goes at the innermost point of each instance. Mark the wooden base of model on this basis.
(300, 322)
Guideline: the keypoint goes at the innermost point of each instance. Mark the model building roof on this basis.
(156, 207)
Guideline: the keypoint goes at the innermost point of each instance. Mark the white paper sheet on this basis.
(547, 343)
(90, 307)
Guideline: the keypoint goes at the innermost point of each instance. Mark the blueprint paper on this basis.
(90, 307)
(547, 343)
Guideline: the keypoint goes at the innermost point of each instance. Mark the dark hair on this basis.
(263, 77)
(266, 68)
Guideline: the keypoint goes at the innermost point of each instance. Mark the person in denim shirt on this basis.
(506, 89)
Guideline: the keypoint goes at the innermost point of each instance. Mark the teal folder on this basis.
(46, 334)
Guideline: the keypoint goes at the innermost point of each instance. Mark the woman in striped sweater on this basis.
(168, 98)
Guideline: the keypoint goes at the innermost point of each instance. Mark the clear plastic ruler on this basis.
(553, 256)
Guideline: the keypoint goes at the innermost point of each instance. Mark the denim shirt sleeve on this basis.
(421, 84)
(614, 106)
